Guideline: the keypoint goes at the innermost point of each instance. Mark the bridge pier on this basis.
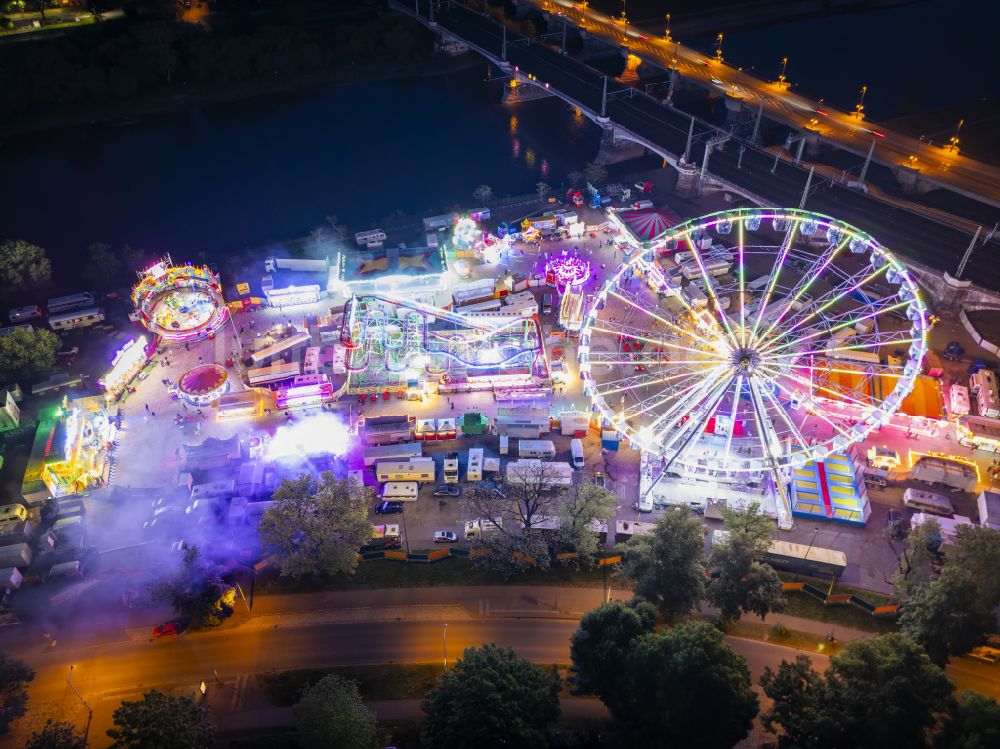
(910, 180)
(688, 182)
(519, 89)
(614, 149)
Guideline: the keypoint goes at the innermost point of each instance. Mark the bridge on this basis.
(931, 164)
(934, 247)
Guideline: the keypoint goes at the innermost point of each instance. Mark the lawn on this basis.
(390, 682)
(805, 606)
(454, 572)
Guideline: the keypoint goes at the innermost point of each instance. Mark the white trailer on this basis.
(476, 529)
(474, 471)
(418, 469)
(989, 510)
(533, 472)
(403, 451)
(401, 491)
(272, 264)
(935, 470)
(536, 449)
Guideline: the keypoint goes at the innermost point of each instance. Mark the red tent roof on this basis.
(648, 223)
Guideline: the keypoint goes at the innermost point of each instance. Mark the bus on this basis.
(928, 502)
(77, 318)
(73, 301)
(808, 560)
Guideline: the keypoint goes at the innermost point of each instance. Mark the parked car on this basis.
(447, 490)
(953, 351)
(388, 508)
(445, 537)
(168, 628)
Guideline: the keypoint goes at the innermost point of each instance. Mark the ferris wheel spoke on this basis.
(765, 427)
(684, 403)
(713, 409)
(710, 290)
(679, 394)
(743, 296)
(645, 380)
(697, 418)
(808, 279)
(786, 245)
(803, 442)
(663, 320)
(813, 412)
(657, 341)
(733, 412)
(840, 321)
(839, 395)
(866, 343)
(826, 301)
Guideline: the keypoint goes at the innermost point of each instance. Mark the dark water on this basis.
(225, 177)
(914, 58)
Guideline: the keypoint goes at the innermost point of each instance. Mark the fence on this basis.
(842, 599)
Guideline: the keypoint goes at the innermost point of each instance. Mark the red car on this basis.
(167, 629)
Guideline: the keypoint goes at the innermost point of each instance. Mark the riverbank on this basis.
(123, 113)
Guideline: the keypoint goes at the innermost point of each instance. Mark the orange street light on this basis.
(666, 32)
(859, 108)
(718, 47)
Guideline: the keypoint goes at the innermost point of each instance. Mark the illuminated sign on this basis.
(125, 364)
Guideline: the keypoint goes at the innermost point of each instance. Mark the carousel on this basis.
(202, 385)
(180, 303)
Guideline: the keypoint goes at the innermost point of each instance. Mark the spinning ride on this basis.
(753, 340)
(180, 303)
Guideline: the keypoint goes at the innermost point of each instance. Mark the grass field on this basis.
(390, 682)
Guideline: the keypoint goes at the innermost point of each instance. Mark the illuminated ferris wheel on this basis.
(753, 340)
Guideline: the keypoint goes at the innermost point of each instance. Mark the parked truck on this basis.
(940, 470)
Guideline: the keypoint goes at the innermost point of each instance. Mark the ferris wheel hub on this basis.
(745, 361)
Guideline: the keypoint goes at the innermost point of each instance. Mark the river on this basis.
(220, 178)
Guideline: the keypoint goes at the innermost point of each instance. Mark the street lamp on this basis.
(805, 557)
(666, 31)
(953, 140)
(444, 643)
(90, 712)
(859, 108)
(781, 75)
(718, 47)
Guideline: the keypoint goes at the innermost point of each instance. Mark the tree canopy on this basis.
(516, 502)
(23, 266)
(56, 735)
(583, 504)
(740, 581)
(668, 565)
(684, 687)
(602, 642)
(492, 697)
(27, 354)
(161, 720)
(317, 528)
(196, 590)
(483, 194)
(15, 676)
(331, 713)
(879, 692)
(973, 724)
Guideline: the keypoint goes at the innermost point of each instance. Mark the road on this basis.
(946, 168)
(343, 628)
(911, 235)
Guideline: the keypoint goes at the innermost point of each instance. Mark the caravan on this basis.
(576, 452)
(536, 449)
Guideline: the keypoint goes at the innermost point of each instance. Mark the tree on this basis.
(973, 724)
(879, 692)
(684, 687)
(517, 501)
(595, 174)
(576, 179)
(740, 581)
(14, 678)
(23, 266)
(948, 615)
(604, 639)
(914, 563)
(317, 528)
(483, 194)
(586, 502)
(103, 267)
(331, 713)
(160, 720)
(668, 565)
(543, 190)
(510, 555)
(339, 230)
(197, 591)
(27, 354)
(492, 697)
(59, 735)
(976, 549)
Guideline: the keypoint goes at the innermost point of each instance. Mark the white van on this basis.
(644, 503)
(543, 449)
(576, 452)
(20, 314)
(928, 502)
(401, 491)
